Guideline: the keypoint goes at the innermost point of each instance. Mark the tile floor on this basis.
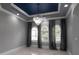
(37, 51)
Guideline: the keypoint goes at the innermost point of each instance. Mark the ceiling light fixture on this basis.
(66, 5)
(17, 14)
(38, 20)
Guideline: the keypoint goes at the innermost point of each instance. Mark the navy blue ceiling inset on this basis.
(37, 8)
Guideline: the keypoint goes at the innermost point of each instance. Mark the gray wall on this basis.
(12, 32)
(73, 30)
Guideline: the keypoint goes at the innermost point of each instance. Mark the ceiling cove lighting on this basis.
(66, 5)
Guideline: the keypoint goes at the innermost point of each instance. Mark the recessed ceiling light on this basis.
(66, 5)
(17, 13)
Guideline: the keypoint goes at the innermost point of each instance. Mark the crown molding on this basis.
(6, 11)
(70, 9)
(53, 18)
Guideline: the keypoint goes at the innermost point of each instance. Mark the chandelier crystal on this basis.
(38, 20)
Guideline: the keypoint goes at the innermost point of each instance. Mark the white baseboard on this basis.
(10, 51)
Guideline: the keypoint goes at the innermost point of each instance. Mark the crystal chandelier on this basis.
(38, 20)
